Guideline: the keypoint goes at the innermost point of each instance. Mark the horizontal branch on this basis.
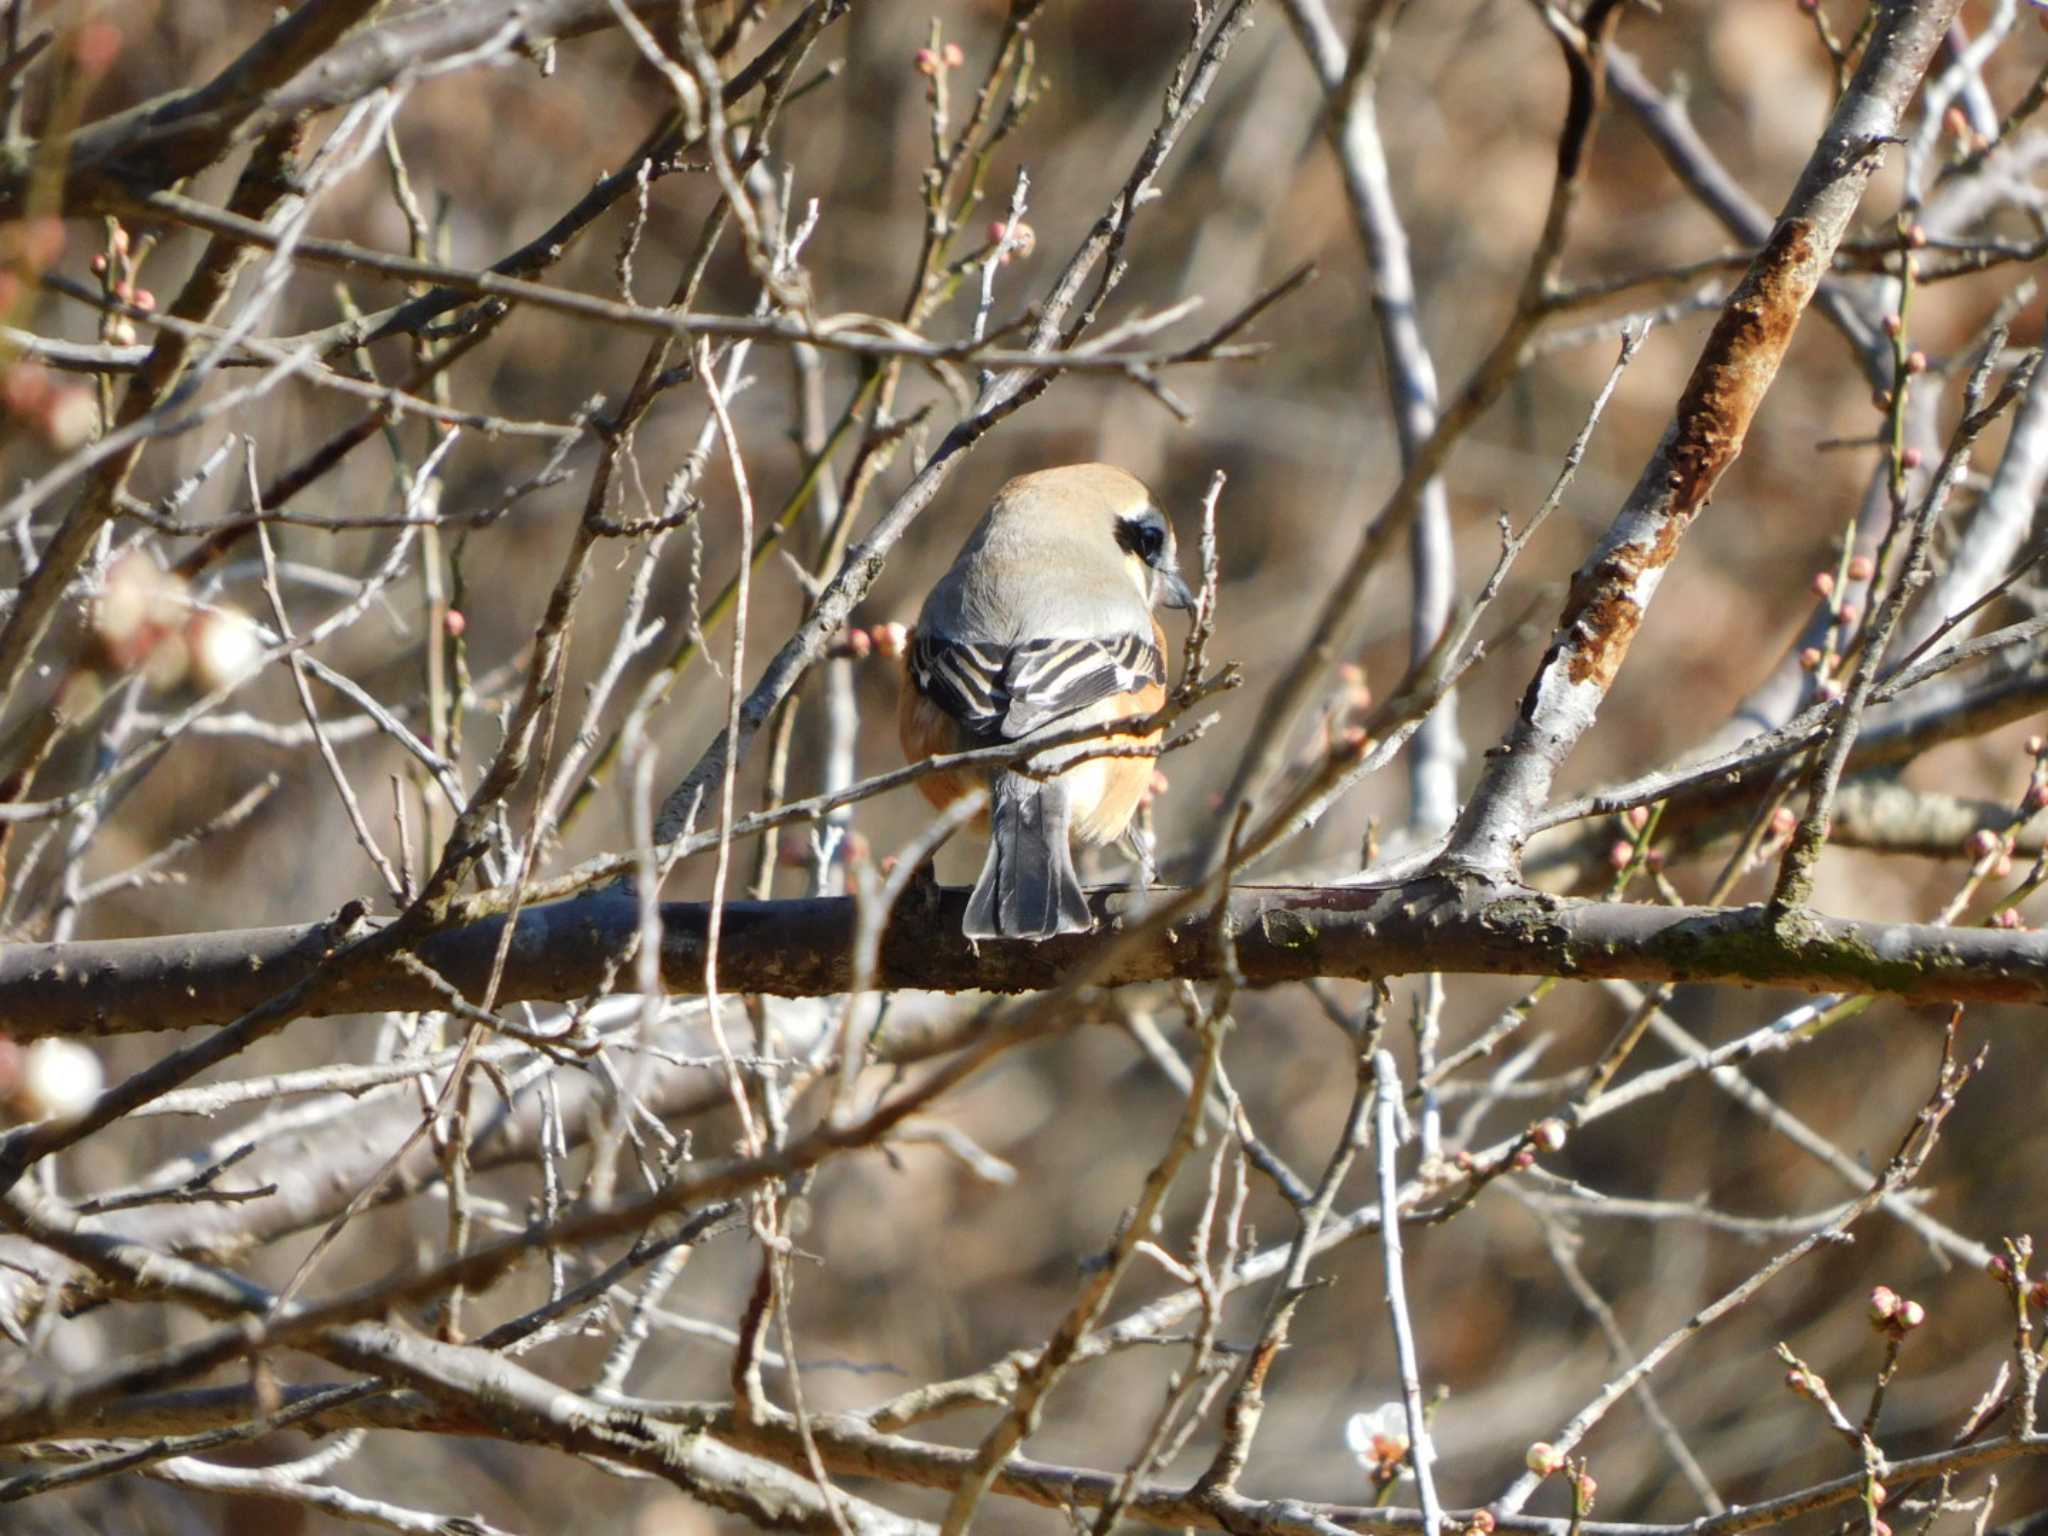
(297, 66)
(805, 948)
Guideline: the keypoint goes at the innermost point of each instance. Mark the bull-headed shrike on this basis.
(1044, 624)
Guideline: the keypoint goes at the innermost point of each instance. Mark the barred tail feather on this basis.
(1028, 888)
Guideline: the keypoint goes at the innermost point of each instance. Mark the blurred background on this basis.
(914, 1267)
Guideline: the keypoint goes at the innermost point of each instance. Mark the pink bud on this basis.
(891, 640)
(1622, 853)
(927, 62)
(1784, 822)
(1955, 124)
(1824, 583)
(1523, 1160)
(1543, 1458)
(1637, 816)
(1893, 326)
(2009, 918)
(1982, 843)
(1884, 1304)
(70, 419)
(1021, 244)
(1912, 458)
(952, 56)
(1916, 236)
(99, 263)
(1862, 568)
(1916, 362)
(1811, 658)
(1549, 1134)
(96, 45)
(2036, 745)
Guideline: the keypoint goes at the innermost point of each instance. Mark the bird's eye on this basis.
(1144, 538)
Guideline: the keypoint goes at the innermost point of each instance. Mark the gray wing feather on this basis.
(1008, 692)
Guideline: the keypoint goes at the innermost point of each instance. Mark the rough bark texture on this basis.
(1613, 589)
(805, 948)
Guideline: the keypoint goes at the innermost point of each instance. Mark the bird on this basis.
(1045, 622)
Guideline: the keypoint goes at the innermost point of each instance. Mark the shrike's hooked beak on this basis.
(1174, 590)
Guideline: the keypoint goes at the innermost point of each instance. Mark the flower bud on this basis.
(223, 646)
(59, 1080)
(1811, 658)
(71, 419)
(1884, 1304)
(1637, 816)
(1022, 243)
(1982, 843)
(952, 56)
(1549, 1134)
(1861, 568)
(1543, 1458)
(1912, 458)
(1824, 583)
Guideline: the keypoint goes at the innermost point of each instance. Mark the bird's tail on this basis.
(1028, 888)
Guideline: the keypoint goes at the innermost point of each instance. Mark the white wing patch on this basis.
(1007, 692)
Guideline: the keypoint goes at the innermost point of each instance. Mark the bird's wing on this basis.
(1007, 692)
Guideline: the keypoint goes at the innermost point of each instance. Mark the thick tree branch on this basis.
(805, 948)
(1612, 590)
